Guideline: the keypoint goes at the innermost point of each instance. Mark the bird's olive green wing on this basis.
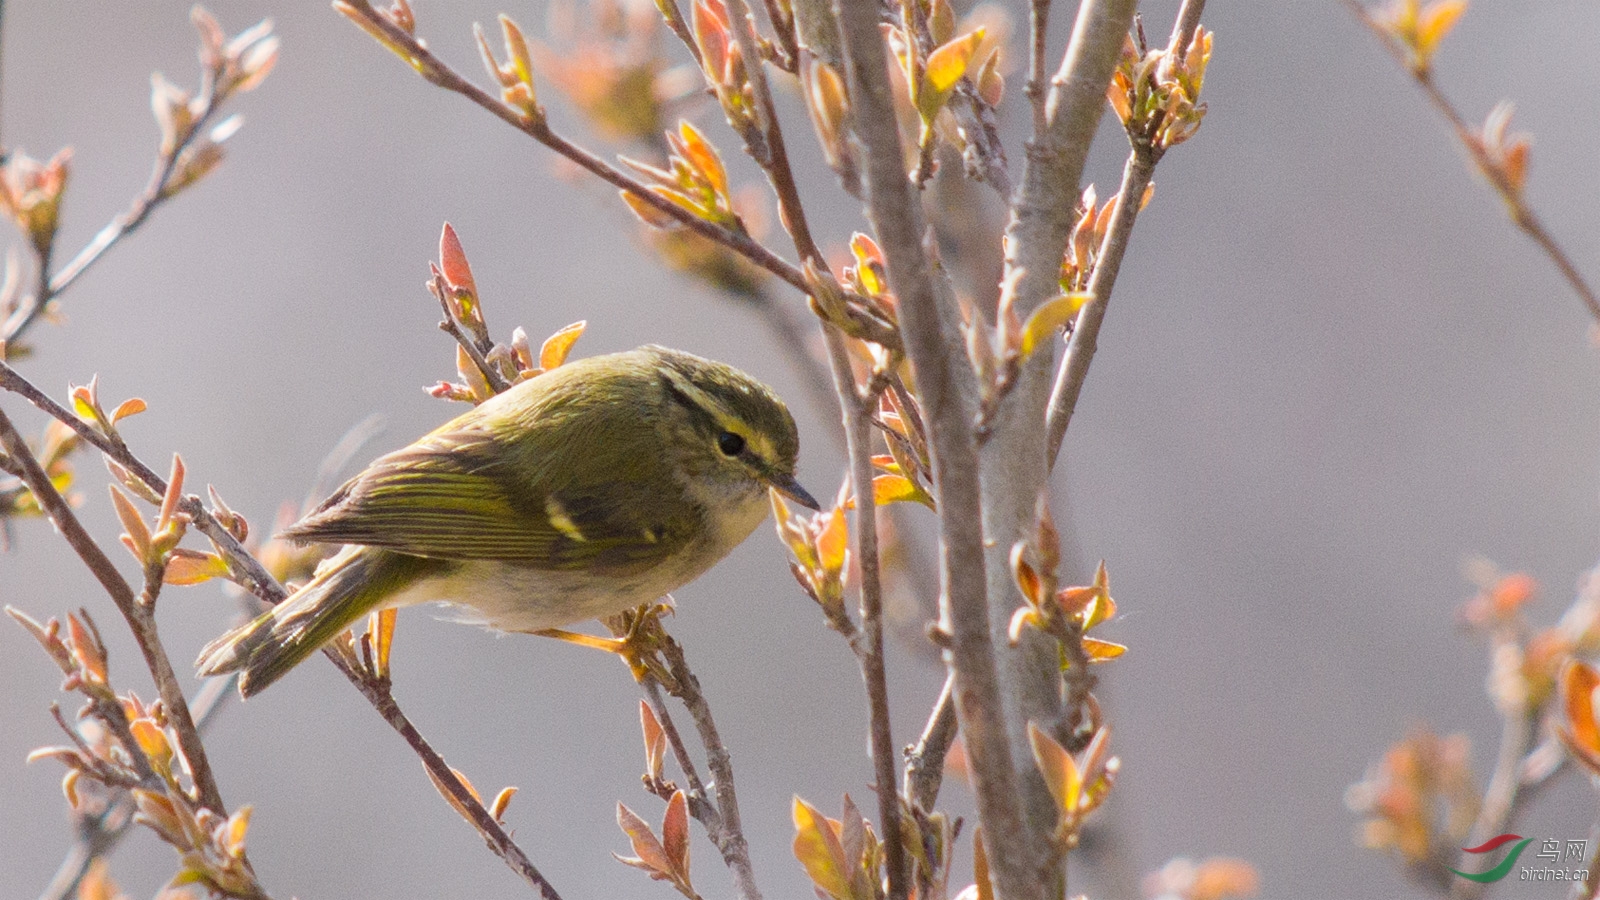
(463, 494)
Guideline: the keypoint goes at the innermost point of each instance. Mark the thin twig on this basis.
(1136, 176)
(1186, 24)
(378, 694)
(153, 195)
(441, 74)
(700, 806)
(857, 415)
(261, 583)
(99, 834)
(1038, 33)
(140, 618)
(925, 761)
(675, 21)
(1074, 369)
(734, 847)
(473, 348)
(869, 643)
(1501, 798)
(1522, 215)
(252, 576)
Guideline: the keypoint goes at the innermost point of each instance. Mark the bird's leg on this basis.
(638, 640)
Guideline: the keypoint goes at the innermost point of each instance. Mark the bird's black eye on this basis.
(730, 444)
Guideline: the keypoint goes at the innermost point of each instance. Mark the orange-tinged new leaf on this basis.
(1515, 164)
(517, 49)
(650, 855)
(1435, 21)
(675, 834)
(833, 541)
(477, 385)
(238, 827)
(133, 525)
(1028, 580)
(382, 630)
(449, 797)
(980, 866)
(553, 352)
(174, 494)
(703, 157)
(453, 261)
(1060, 771)
(817, 847)
(1050, 317)
(1578, 729)
(86, 647)
(129, 407)
(1099, 650)
(85, 402)
(648, 212)
(1022, 618)
(1103, 607)
(69, 787)
(502, 800)
(153, 741)
(991, 84)
(949, 62)
(186, 567)
(655, 741)
(869, 263)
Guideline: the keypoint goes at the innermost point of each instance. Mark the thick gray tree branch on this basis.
(941, 371)
(1013, 460)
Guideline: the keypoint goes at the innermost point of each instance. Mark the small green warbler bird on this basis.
(588, 490)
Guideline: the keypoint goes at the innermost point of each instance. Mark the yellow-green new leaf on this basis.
(704, 158)
(1050, 317)
(818, 848)
(949, 62)
(1059, 769)
(897, 488)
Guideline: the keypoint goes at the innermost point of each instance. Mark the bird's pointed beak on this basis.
(789, 487)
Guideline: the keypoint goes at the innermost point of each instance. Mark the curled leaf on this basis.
(553, 352)
(1050, 317)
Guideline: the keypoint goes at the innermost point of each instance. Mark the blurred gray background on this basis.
(1331, 371)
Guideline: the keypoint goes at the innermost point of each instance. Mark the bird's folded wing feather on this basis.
(453, 496)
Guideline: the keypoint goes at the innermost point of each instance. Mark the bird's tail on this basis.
(347, 586)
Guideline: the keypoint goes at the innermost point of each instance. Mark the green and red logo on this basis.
(1504, 868)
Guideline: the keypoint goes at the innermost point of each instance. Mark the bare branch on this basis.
(925, 761)
(267, 588)
(140, 618)
(1074, 368)
(1013, 460)
(440, 73)
(734, 847)
(857, 412)
(1522, 215)
(943, 383)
